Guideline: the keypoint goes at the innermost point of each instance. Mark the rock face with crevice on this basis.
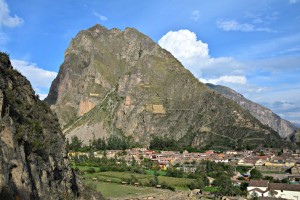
(33, 156)
(139, 91)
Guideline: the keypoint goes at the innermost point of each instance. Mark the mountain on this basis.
(285, 128)
(297, 137)
(121, 83)
(33, 157)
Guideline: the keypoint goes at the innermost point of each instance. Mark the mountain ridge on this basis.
(265, 115)
(123, 83)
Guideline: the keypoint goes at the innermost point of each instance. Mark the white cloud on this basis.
(264, 17)
(259, 80)
(257, 89)
(273, 47)
(6, 19)
(194, 55)
(101, 17)
(42, 96)
(195, 15)
(184, 45)
(286, 109)
(293, 1)
(226, 79)
(39, 78)
(233, 25)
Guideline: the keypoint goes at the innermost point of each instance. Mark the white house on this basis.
(258, 186)
(276, 190)
(283, 190)
(221, 160)
(231, 152)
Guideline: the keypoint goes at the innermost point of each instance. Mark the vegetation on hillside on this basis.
(144, 92)
(32, 117)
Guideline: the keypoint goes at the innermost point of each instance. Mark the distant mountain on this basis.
(33, 156)
(121, 83)
(297, 137)
(285, 128)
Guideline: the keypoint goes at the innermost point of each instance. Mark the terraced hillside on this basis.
(115, 82)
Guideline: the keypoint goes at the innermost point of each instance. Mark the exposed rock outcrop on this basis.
(33, 156)
(297, 137)
(285, 128)
(143, 91)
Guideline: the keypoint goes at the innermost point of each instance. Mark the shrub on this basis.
(91, 170)
(165, 185)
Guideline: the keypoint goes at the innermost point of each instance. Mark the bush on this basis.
(255, 174)
(164, 185)
(76, 169)
(197, 184)
(174, 173)
(91, 170)
(243, 169)
(154, 181)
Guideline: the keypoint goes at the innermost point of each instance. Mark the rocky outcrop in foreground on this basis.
(285, 128)
(121, 83)
(33, 156)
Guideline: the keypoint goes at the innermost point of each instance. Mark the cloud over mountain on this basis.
(194, 55)
(38, 77)
(259, 80)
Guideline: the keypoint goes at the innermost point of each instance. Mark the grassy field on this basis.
(178, 183)
(151, 172)
(113, 190)
(84, 168)
(119, 177)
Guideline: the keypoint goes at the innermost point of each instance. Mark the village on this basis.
(278, 164)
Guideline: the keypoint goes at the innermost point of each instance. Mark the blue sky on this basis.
(250, 46)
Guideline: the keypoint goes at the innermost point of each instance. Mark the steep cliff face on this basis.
(33, 157)
(285, 128)
(122, 83)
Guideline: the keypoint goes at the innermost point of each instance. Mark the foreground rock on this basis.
(121, 83)
(33, 157)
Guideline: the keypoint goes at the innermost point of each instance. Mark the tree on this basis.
(270, 178)
(244, 186)
(225, 185)
(199, 183)
(75, 144)
(254, 196)
(255, 174)
(214, 169)
(114, 142)
(172, 172)
(154, 182)
(99, 144)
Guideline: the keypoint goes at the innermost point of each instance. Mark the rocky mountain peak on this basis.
(122, 83)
